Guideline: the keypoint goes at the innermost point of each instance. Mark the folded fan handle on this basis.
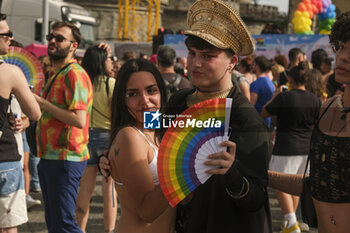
(229, 132)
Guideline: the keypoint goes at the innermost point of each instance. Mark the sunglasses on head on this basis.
(8, 34)
(58, 38)
(113, 58)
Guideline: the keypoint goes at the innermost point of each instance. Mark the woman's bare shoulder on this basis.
(10, 68)
(128, 134)
(9, 72)
(330, 100)
(329, 105)
(128, 138)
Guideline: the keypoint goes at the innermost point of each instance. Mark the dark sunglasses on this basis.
(58, 38)
(8, 34)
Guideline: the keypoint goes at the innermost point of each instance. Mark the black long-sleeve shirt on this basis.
(211, 209)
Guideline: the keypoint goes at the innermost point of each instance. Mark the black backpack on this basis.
(174, 86)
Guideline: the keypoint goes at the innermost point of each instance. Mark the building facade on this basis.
(173, 16)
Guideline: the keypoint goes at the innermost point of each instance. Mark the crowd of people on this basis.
(89, 117)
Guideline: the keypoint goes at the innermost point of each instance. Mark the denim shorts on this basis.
(11, 177)
(13, 208)
(98, 143)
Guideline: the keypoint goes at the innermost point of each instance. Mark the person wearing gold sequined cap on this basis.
(219, 25)
(234, 199)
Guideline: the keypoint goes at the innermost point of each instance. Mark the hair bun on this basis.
(303, 65)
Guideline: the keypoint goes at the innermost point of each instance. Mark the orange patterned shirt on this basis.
(71, 90)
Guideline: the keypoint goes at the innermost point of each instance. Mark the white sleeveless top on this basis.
(153, 164)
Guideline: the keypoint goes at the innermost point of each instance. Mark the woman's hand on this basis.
(223, 160)
(40, 100)
(106, 47)
(104, 166)
(18, 124)
(12, 119)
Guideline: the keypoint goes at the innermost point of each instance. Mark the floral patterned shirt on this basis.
(71, 90)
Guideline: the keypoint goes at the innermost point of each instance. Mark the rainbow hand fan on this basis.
(29, 65)
(185, 146)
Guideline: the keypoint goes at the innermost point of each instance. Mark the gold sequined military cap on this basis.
(220, 25)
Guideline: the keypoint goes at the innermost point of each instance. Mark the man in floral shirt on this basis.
(62, 132)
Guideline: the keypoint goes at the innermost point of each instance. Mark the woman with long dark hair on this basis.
(315, 85)
(134, 150)
(98, 64)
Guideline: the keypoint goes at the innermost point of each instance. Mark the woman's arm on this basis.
(129, 164)
(288, 183)
(244, 86)
(75, 117)
(253, 98)
(264, 112)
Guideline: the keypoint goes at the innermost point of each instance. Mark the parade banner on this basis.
(177, 42)
(272, 45)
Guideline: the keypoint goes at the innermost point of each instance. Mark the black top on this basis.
(212, 210)
(329, 166)
(8, 144)
(283, 78)
(297, 112)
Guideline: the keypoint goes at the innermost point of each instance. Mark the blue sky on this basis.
(281, 4)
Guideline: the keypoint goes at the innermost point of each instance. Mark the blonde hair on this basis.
(276, 70)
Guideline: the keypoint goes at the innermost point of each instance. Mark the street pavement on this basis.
(36, 223)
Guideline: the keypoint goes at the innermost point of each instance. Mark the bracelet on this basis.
(240, 195)
(240, 192)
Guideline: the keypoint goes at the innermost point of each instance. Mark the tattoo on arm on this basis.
(117, 152)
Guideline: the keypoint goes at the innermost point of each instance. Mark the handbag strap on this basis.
(329, 105)
(48, 89)
(307, 164)
(316, 124)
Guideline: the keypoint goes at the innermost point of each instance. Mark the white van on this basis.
(25, 19)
